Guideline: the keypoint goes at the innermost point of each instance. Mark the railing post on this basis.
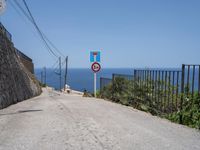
(182, 93)
(101, 84)
(113, 78)
(193, 77)
(199, 83)
(134, 84)
(177, 89)
(113, 88)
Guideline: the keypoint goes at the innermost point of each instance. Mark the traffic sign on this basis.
(95, 56)
(96, 67)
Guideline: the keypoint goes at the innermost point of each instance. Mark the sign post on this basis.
(95, 84)
(96, 67)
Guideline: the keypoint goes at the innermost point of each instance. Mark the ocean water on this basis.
(80, 79)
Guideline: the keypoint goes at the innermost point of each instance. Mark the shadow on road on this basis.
(22, 111)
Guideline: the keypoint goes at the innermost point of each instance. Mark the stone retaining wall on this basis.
(16, 82)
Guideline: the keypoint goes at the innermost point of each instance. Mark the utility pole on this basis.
(60, 72)
(41, 77)
(66, 69)
(45, 76)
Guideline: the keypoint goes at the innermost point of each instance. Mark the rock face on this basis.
(16, 82)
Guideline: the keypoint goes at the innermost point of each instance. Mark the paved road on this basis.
(66, 122)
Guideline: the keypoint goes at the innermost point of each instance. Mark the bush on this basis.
(42, 85)
(190, 112)
(122, 90)
(119, 91)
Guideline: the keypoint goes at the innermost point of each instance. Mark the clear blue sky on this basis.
(130, 33)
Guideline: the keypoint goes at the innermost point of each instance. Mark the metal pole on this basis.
(188, 80)
(101, 84)
(60, 72)
(66, 68)
(41, 77)
(45, 76)
(182, 93)
(134, 84)
(193, 77)
(199, 83)
(95, 84)
(177, 89)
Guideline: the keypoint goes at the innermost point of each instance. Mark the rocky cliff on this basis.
(16, 82)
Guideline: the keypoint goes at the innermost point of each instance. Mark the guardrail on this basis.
(127, 77)
(166, 90)
(162, 87)
(104, 82)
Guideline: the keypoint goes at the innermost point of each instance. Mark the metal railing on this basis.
(104, 82)
(125, 76)
(167, 90)
(190, 84)
(107, 81)
(161, 87)
(191, 80)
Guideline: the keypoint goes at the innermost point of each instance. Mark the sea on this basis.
(83, 79)
(80, 79)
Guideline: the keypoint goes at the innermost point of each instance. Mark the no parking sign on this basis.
(96, 67)
(95, 58)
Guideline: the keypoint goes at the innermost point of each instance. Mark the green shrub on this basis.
(122, 91)
(190, 112)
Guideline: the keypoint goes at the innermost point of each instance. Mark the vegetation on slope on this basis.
(122, 91)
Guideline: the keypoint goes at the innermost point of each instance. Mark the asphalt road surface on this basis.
(55, 121)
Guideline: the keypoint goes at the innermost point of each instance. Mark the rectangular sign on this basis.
(95, 56)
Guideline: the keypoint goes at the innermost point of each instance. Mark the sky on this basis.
(129, 33)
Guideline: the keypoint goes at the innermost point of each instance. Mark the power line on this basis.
(54, 64)
(28, 17)
(15, 8)
(43, 37)
(22, 9)
(53, 45)
(41, 31)
(22, 17)
(32, 21)
(36, 26)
